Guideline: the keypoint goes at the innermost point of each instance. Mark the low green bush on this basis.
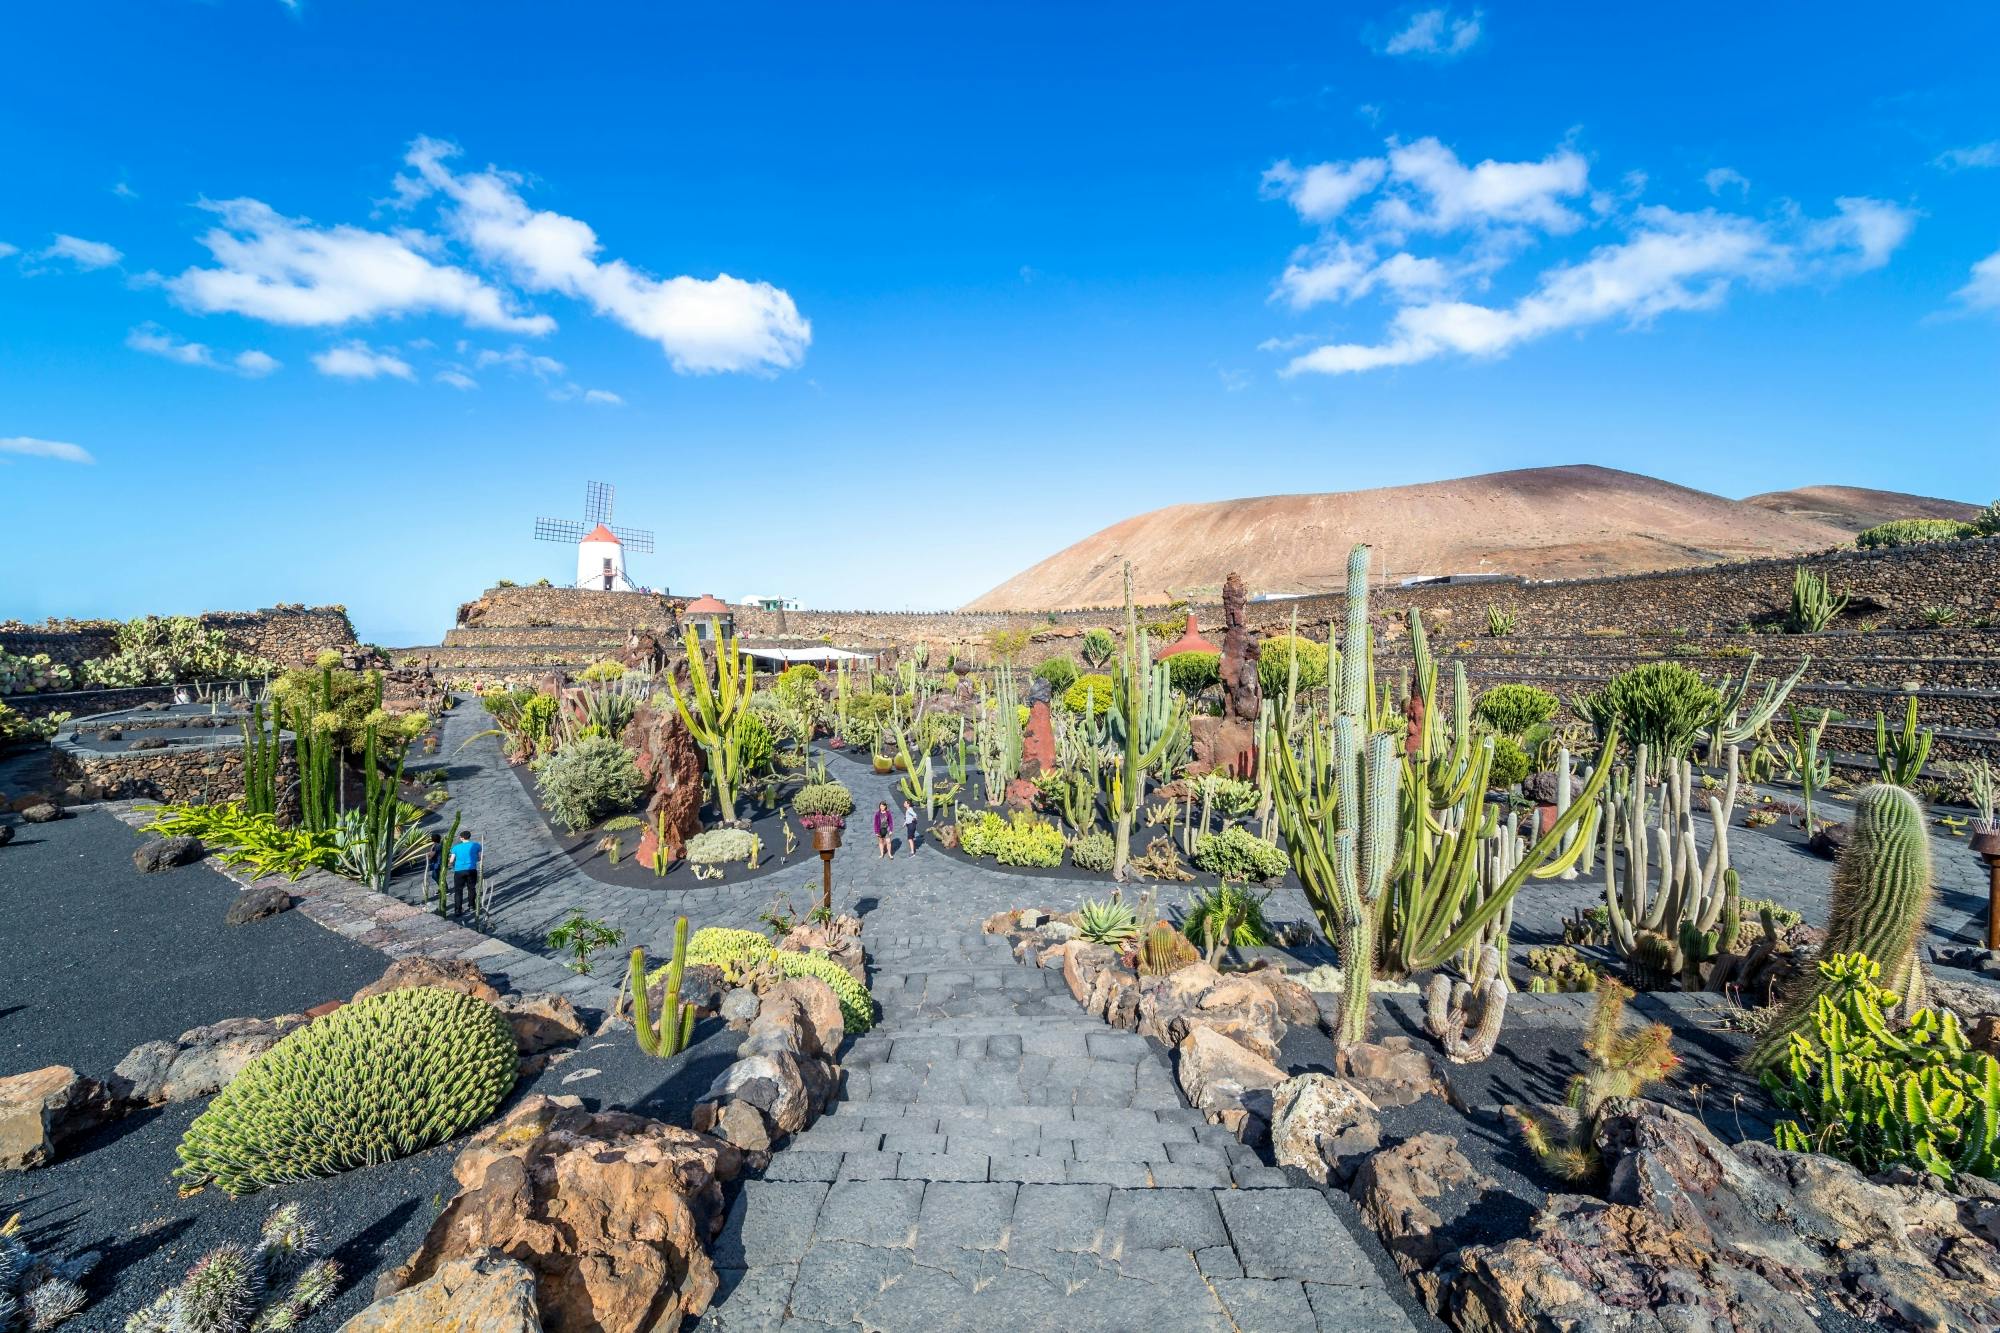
(1274, 658)
(372, 1081)
(1238, 854)
(1231, 796)
(718, 846)
(1914, 532)
(1191, 673)
(171, 650)
(718, 946)
(823, 798)
(1029, 841)
(588, 779)
(1510, 763)
(1091, 692)
(1230, 909)
(255, 842)
(1512, 710)
(1059, 672)
(1093, 851)
(979, 831)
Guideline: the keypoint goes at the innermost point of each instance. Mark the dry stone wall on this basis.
(286, 635)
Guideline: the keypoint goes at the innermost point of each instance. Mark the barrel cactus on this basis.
(379, 1079)
(1882, 890)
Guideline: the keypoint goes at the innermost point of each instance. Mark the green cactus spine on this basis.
(1901, 757)
(674, 1029)
(263, 739)
(1882, 890)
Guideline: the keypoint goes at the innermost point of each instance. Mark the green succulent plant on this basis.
(1107, 921)
(719, 946)
(375, 1080)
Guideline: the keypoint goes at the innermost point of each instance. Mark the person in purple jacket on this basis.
(885, 828)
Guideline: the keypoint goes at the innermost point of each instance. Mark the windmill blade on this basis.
(559, 530)
(597, 498)
(637, 540)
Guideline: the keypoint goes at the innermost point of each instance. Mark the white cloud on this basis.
(6, 249)
(84, 254)
(1718, 179)
(1340, 270)
(520, 360)
(124, 191)
(358, 361)
(1973, 155)
(1442, 194)
(1438, 33)
(29, 447)
(287, 271)
(1671, 261)
(1983, 292)
(603, 396)
(156, 341)
(703, 325)
(456, 378)
(1323, 191)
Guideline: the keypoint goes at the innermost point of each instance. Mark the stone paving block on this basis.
(1262, 1306)
(1293, 1233)
(795, 1165)
(838, 1280)
(1169, 1175)
(1156, 1219)
(1218, 1261)
(870, 1212)
(1356, 1310)
(1260, 1178)
(868, 1166)
(1198, 1154)
(962, 1215)
(747, 1299)
(771, 1222)
(1125, 1175)
(1061, 1218)
(1027, 1170)
(943, 1166)
(914, 1143)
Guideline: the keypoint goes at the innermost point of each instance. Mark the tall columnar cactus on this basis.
(714, 709)
(1734, 727)
(1882, 891)
(1901, 757)
(1804, 761)
(1659, 928)
(1148, 722)
(671, 1033)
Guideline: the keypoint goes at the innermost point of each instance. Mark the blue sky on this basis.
(327, 302)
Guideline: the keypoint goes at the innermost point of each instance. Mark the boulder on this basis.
(6, 834)
(444, 973)
(1394, 1189)
(1114, 997)
(1741, 1236)
(739, 1007)
(1324, 1126)
(738, 1123)
(1082, 961)
(199, 1062)
(1038, 741)
(671, 763)
(43, 812)
(41, 1109)
(482, 1293)
(1296, 1005)
(611, 1212)
(256, 904)
(788, 1088)
(1394, 1072)
(819, 1008)
(1197, 995)
(1228, 1083)
(157, 855)
(1828, 841)
(541, 1020)
(841, 947)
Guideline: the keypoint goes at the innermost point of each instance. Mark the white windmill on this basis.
(601, 545)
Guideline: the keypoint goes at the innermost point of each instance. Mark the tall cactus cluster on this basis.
(1671, 907)
(1147, 722)
(1901, 756)
(713, 710)
(373, 1081)
(1465, 1016)
(674, 1029)
(1882, 892)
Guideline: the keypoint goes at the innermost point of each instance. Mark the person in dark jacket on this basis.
(885, 828)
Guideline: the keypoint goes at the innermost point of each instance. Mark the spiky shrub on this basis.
(1901, 755)
(1512, 710)
(1877, 1094)
(1275, 657)
(1814, 604)
(1622, 1064)
(1231, 796)
(379, 1079)
(1098, 645)
(1029, 841)
(979, 831)
(1106, 921)
(719, 845)
(1559, 969)
(1088, 694)
(1238, 854)
(1193, 672)
(1093, 851)
(824, 798)
(742, 950)
(1882, 889)
(1661, 705)
(1228, 914)
(1914, 531)
(1465, 1016)
(588, 779)
(266, 1288)
(1059, 672)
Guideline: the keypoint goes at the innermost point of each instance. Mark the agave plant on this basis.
(1106, 921)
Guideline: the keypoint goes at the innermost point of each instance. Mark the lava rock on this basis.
(167, 853)
(444, 973)
(45, 812)
(6, 834)
(1828, 841)
(148, 743)
(200, 1062)
(487, 1292)
(41, 1109)
(1324, 1126)
(256, 904)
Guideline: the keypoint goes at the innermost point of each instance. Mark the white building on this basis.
(600, 562)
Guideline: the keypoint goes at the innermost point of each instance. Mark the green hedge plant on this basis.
(588, 779)
(1238, 854)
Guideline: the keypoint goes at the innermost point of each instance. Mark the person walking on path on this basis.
(910, 825)
(433, 862)
(885, 827)
(464, 872)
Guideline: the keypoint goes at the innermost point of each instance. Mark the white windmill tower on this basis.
(601, 546)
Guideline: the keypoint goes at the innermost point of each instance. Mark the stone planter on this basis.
(1985, 844)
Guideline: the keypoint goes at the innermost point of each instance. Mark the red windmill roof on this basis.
(707, 605)
(600, 533)
(1189, 642)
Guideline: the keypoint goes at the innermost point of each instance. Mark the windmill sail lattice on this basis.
(598, 498)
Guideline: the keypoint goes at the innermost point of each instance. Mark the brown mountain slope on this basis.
(1856, 507)
(1555, 522)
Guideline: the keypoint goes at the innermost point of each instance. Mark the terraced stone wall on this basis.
(287, 635)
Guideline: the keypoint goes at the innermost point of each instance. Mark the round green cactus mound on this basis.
(380, 1079)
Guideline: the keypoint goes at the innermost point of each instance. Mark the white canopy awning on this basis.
(791, 656)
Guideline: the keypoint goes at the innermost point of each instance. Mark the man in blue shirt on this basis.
(464, 871)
